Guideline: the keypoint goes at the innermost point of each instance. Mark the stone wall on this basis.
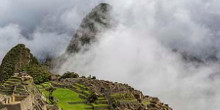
(19, 98)
(14, 106)
(20, 103)
(26, 104)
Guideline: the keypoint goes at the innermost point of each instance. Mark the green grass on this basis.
(86, 92)
(146, 102)
(101, 98)
(64, 96)
(81, 85)
(122, 96)
(127, 100)
(46, 84)
(42, 87)
(46, 94)
(7, 86)
(83, 91)
(100, 105)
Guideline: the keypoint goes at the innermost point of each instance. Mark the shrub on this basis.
(51, 98)
(69, 75)
(83, 77)
(93, 77)
(39, 74)
(115, 104)
(92, 97)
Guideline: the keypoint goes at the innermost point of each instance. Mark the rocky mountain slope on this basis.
(95, 22)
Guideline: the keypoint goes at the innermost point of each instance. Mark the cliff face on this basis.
(17, 58)
(96, 21)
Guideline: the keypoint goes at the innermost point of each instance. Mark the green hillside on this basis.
(16, 59)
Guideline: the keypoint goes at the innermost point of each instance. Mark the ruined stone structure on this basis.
(26, 98)
(119, 96)
(16, 102)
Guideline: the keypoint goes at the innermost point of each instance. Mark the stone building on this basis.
(26, 98)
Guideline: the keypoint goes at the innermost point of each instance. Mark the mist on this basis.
(46, 27)
(138, 50)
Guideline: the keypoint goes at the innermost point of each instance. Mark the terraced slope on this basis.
(13, 84)
(84, 94)
(65, 98)
(74, 97)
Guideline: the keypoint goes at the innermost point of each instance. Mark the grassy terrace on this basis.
(100, 106)
(82, 89)
(68, 99)
(124, 97)
(146, 102)
(66, 96)
(8, 85)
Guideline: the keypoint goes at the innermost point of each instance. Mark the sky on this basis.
(46, 27)
(137, 50)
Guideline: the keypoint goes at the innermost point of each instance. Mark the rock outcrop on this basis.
(95, 22)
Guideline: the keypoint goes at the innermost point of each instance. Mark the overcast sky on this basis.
(137, 51)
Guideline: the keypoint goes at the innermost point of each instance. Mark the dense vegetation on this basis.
(69, 75)
(16, 59)
(39, 73)
(20, 59)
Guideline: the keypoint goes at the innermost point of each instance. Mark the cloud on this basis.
(46, 27)
(137, 51)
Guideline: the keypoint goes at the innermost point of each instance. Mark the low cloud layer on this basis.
(46, 27)
(137, 51)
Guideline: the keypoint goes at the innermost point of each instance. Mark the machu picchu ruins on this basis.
(82, 93)
(27, 83)
(19, 93)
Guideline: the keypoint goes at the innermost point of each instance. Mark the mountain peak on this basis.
(95, 22)
(18, 57)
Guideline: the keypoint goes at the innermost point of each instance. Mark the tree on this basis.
(39, 73)
(92, 97)
(69, 75)
(93, 77)
(51, 90)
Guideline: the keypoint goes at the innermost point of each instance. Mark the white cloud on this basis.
(137, 51)
(46, 27)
